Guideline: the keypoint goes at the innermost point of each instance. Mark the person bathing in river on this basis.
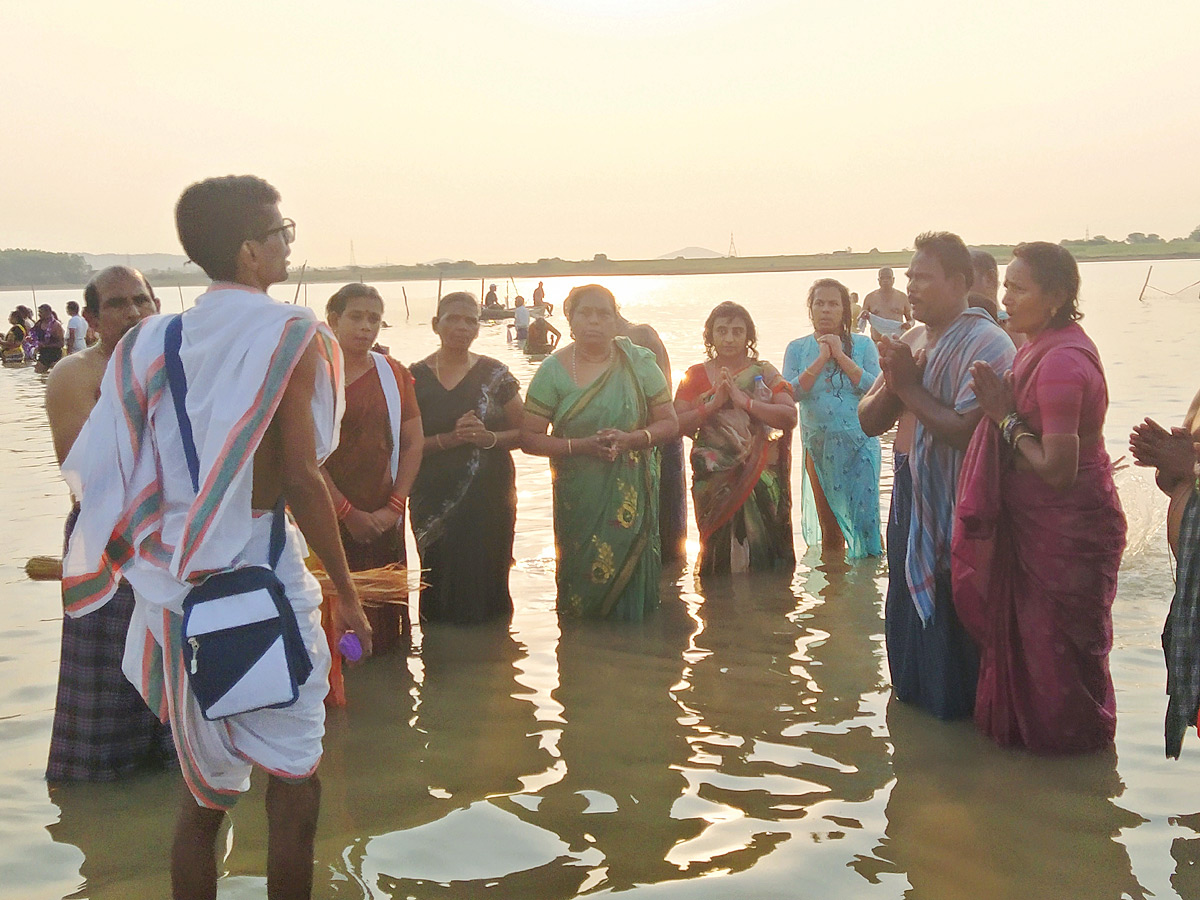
(610, 407)
(103, 729)
(464, 501)
(741, 484)
(371, 472)
(888, 302)
(543, 337)
(933, 661)
(50, 338)
(13, 343)
(166, 505)
(830, 371)
(1039, 530)
(520, 323)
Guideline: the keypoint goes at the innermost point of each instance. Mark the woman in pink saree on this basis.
(1039, 530)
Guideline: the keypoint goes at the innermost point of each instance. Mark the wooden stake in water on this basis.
(1146, 282)
(180, 289)
(439, 299)
(405, 293)
(296, 299)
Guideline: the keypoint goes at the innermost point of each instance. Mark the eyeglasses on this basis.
(287, 229)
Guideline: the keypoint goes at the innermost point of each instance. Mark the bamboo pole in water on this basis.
(299, 283)
(406, 310)
(1146, 282)
(180, 289)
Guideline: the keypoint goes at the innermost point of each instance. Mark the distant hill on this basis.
(693, 253)
(162, 262)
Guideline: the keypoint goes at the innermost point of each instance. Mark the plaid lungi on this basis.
(103, 729)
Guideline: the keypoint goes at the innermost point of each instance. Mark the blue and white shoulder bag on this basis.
(242, 645)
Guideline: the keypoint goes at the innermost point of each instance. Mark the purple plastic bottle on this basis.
(350, 647)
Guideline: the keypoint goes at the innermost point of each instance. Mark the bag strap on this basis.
(172, 342)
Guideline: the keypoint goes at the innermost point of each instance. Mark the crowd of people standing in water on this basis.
(1003, 541)
(44, 340)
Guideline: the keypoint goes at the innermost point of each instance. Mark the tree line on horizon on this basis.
(43, 268)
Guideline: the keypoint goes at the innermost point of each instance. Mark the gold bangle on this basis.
(649, 437)
(1020, 434)
(569, 450)
(441, 446)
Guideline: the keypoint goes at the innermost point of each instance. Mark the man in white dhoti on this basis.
(261, 377)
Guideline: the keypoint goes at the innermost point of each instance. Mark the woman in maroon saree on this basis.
(1039, 529)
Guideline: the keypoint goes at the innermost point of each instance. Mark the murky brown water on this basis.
(740, 743)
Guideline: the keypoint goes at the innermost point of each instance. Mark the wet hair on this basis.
(216, 216)
(25, 311)
(986, 303)
(72, 308)
(847, 310)
(456, 297)
(585, 291)
(336, 305)
(983, 266)
(1054, 270)
(727, 309)
(91, 292)
(950, 251)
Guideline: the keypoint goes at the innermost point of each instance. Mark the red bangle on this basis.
(396, 504)
(344, 509)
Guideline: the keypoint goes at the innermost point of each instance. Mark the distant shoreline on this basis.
(601, 266)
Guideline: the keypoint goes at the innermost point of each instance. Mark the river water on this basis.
(740, 743)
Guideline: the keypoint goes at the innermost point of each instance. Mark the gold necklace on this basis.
(575, 353)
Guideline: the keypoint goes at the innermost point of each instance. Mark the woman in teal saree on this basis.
(607, 407)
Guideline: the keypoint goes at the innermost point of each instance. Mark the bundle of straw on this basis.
(376, 587)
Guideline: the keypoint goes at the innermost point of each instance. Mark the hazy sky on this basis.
(501, 130)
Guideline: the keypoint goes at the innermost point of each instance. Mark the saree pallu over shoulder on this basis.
(139, 516)
(1034, 577)
(741, 481)
(605, 514)
(464, 502)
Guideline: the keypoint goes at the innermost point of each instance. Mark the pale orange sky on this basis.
(500, 130)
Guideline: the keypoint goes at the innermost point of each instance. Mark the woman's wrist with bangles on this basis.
(396, 504)
(343, 509)
(649, 438)
(495, 439)
(1010, 425)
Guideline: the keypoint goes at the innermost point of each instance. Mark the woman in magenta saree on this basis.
(1039, 529)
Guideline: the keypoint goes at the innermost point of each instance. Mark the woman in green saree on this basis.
(739, 413)
(610, 407)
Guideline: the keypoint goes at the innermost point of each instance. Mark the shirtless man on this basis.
(102, 726)
(115, 300)
(888, 303)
